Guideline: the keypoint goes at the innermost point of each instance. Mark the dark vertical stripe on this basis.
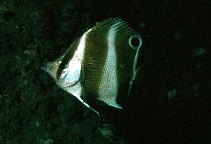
(94, 60)
(67, 57)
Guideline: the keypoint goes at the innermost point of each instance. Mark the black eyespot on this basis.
(135, 41)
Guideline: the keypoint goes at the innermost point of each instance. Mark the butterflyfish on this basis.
(100, 65)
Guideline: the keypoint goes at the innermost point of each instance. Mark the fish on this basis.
(101, 65)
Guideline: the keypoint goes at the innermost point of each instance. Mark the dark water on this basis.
(169, 103)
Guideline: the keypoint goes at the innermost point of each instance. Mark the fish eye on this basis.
(135, 41)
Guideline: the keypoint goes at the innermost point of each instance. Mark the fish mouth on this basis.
(45, 67)
(48, 69)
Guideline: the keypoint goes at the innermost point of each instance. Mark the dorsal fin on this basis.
(121, 26)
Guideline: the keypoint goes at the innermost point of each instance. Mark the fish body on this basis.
(100, 65)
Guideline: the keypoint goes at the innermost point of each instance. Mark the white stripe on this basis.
(108, 85)
(134, 66)
(78, 56)
(81, 46)
(136, 56)
(75, 65)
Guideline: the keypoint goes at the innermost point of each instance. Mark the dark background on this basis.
(169, 103)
